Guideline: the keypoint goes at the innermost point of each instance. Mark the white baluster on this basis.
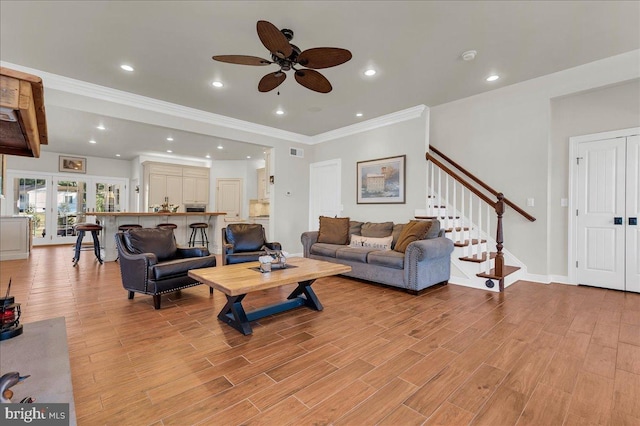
(454, 230)
(488, 234)
(470, 233)
(446, 196)
(439, 193)
(479, 247)
(465, 250)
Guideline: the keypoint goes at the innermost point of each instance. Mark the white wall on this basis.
(48, 163)
(408, 138)
(504, 137)
(600, 110)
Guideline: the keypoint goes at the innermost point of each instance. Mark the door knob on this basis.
(617, 221)
(633, 221)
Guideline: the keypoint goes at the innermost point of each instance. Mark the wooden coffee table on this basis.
(236, 281)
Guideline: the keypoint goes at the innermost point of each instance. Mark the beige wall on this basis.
(600, 110)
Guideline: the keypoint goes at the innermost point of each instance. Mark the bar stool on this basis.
(202, 226)
(81, 228)
(166, 226)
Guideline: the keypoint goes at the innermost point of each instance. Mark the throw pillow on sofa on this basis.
(376, 230)
(413, 231)
(383, 243)
(333, 230)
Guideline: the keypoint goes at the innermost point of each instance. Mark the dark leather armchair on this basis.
(244, 242)
(151, 263)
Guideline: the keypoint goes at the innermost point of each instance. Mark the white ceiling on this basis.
(414, 45)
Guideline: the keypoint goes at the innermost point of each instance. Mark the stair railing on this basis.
(445, 179)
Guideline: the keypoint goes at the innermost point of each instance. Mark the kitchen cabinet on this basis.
(195, 186)
(177, 185)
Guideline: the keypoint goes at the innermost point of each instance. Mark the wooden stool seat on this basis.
(202, 227)
(128, 226)
(167, 226)
(81, 228)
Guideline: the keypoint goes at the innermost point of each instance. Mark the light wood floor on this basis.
(537, 354)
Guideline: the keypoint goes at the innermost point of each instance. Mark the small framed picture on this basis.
(381, 181)
(72, 164)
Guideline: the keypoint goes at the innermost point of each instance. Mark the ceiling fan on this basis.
(288, 56)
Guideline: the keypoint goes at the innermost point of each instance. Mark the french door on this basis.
(57, 202)
(607, 210)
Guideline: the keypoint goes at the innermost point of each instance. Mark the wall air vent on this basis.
(296, 152)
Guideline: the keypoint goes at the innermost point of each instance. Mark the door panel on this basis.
(601, 188)
(324, 191)
(229, 197)
(633, 211)
(70, 205)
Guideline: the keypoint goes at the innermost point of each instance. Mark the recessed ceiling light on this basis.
(370, 72)
(469, 55)
(493, 77)
(170, 139)
(220, 147)
(280, 112)
(126, 67)
(217, 84)
(100, 127)
(207, 156)
(92, 141)
(359, 114)
(117, 155)
(248, 156)
(169, 151)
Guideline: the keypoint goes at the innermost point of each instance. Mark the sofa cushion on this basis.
(387, 258)
(383, 243)
(333, 230)
(413, 231)
(397, 230)
(245, 236)
(323, 249)
(358, 254)
(376, 230)
(355, 227)
(160, 242)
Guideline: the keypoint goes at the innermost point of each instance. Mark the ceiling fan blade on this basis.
(313, 80)
(323, 57)
(271, 81)
(241, 60)
(273, 39)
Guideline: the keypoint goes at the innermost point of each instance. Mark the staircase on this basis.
(469, 210)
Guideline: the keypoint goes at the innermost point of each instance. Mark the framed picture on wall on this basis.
(72, 164)
(381, 181)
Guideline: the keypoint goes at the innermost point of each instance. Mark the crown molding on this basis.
(90, 90)
(374, 123)
(107, 94)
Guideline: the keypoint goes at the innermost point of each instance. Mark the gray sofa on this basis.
(424, 263)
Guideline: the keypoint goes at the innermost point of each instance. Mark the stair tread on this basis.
(477, 259)
(465, 243)
(508, 270)
(436, 217)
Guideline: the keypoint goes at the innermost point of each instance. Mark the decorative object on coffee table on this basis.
(9, 316)
(274, 259)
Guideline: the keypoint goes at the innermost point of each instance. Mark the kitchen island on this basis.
(110, 222)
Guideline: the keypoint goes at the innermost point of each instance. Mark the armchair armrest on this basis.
(308, 239)
(186, 252)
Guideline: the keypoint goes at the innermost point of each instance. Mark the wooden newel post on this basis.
(499, 261)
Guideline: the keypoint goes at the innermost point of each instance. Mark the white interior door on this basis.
(324, 191)
(632, 282)
(608, 237)
(229, 197)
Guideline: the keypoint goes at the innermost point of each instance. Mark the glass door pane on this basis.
(30, 195)
(70, 205)
(108, 197)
